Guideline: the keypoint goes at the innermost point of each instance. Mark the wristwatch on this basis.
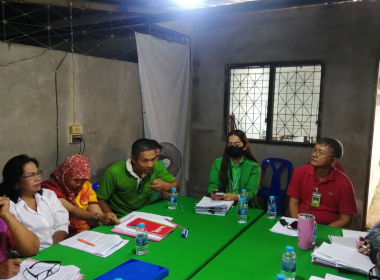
(95, 218)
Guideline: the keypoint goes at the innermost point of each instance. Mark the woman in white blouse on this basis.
(38, 210)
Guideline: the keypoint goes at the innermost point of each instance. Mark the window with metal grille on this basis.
(275, 102)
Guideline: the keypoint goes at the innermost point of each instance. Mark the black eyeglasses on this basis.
(372, 274)
(38, 271)
(32, 176)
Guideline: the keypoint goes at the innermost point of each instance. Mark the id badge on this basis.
(316, 200)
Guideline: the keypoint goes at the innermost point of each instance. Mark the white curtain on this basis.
(164, 69)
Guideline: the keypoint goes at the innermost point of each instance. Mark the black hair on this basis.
(225, 167)
(12, 172)
(142, 145)
(158, 146)
(335, 145)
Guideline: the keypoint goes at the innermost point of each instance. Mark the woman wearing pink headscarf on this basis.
(69, 182)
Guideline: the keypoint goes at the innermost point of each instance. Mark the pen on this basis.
(86, 242)
(364, 247)
(181, 208)
(174, 224)
(187, 231)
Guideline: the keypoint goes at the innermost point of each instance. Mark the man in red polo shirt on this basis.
(337, 203)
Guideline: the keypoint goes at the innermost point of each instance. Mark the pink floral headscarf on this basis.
(72, 167)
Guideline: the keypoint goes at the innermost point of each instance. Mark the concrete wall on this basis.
(107, 103)
(342, 36)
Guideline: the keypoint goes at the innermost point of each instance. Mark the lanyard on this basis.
(236, 182)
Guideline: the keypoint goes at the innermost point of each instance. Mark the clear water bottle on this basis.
(288, 265)
(141, 240)
(242, 211)
(244, 195)
(280, 277)
(172, 201)
(315, 234)
(272, 208)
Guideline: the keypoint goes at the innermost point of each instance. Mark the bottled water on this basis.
(315, 234)
(288, 265)
(272, 208)
(242, 211)
(280, 277)
(141, 240)
(172, 201)
(244, 195)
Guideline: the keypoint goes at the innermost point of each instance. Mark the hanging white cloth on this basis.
(164, 69)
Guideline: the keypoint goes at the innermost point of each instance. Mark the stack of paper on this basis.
(329, 277)
(339, 256)
(69, 272)
(349, 242)
(279, 228)
(104, 244)
(353, 233)
(213, 207)
(123, 229)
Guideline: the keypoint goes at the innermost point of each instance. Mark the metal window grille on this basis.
(275, 103)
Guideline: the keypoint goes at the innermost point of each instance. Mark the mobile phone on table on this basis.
(218, 193)
(293, 225)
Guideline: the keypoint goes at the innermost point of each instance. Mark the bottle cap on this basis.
(242, 199)
(289, 249)
(174, 189)
(243, 190)
(141, 225)
(280, 277)
(271, 197)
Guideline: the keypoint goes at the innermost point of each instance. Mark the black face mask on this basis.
(234, 151)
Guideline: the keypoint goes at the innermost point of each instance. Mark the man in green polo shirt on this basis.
(128, 185)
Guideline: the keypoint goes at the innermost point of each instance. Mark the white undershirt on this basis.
(49, 218)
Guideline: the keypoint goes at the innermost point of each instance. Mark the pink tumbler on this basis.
(305, 230)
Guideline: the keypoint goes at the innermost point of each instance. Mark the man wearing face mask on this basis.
(236, 170)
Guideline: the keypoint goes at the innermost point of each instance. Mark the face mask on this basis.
(235, 152)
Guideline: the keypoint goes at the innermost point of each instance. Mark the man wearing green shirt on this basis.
(128, 185)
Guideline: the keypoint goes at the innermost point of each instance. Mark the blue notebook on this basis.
(134, 269)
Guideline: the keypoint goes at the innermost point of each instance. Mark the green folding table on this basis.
(208, 236)
(256, 254)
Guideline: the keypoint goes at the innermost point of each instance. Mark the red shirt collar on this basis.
(331, 177)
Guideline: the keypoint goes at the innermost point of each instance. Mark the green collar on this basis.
(240, 162)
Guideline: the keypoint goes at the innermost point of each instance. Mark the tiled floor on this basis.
(373, 214)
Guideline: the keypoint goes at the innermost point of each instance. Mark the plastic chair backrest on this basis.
(276, 176)
(95, 186)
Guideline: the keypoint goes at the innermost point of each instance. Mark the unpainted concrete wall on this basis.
(107, 104)
(342, 36)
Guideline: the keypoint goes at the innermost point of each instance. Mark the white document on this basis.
(341, 256)
(333, 277)
(105, 244)
(213, 207)
(151, 217)
(279, 228)
(349, 242)
(354, 233)
(316, 278)
(69, 272)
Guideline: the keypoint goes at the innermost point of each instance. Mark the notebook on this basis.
(128, 231)
(134, 269)
(339, 256)
(152, 227)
